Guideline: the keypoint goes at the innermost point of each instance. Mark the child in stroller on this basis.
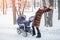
(24, 26)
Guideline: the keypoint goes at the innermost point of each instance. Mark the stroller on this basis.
(24, 26)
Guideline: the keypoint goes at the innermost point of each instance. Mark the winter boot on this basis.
(38, 33)
(33, 31)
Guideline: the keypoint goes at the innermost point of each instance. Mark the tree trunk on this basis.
(34, 4)
(3, 6)
(50, 14)
(58, 9)
(55, 4)
(14, 11)
(19, 7)
(24, 7)
(45, 14)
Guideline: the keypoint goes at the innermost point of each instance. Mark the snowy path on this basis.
(47, 33)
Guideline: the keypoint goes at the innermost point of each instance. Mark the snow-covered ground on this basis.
(8, 30)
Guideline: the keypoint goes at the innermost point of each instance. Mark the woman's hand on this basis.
(51, 7)
(42, 8)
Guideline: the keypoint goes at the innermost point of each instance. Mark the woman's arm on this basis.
(46, 9)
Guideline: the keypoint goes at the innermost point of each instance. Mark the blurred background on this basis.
(10, 9)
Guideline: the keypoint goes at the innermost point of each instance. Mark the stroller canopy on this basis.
(21, 19)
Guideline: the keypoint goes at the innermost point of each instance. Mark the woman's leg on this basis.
(33, 31)
(38, 33)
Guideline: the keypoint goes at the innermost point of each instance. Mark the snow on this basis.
(8, 30)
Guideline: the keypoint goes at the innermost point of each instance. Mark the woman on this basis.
(37, 19)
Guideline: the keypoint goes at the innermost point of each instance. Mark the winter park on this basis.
(29, 20)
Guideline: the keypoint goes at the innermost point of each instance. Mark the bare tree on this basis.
(34, 3)
(24, 6)
(14, 11)
(55, 3)
(58, 9)
(4, 6)
(45, 14)
(21, 6)
(50, 14)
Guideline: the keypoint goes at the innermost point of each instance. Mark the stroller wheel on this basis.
(30, 31)
(18, 31)
(25, 34)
